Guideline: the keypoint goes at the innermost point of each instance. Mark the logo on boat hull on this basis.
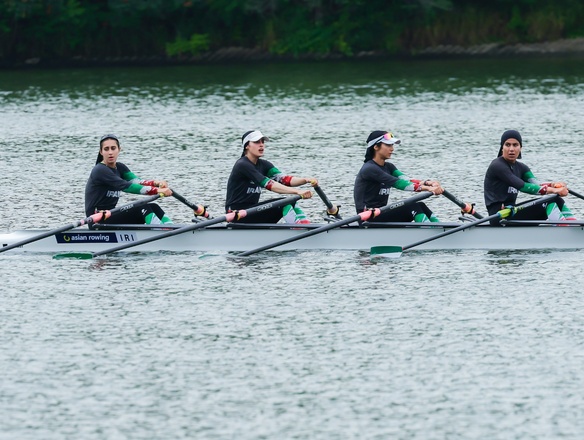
(95, 237)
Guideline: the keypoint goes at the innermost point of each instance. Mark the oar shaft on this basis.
(574, 193)
(199, 209)
(452, 231)
(336, 224)
(227, 217)
(162, 235)
(134, 204)
(466, 207)
(86, 221)
(501, 214)
(302, 235)
(331, 209)
(41, 236)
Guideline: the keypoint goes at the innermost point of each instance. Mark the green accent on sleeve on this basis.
(404, 185)
(130, 176)
(273, 171)
(530, 188)
(397, 173)
(529, 177)
(264, 182)
(134, 188)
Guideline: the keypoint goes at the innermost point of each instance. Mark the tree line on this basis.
(174, 29)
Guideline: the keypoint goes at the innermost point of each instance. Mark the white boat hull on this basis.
(224, 238)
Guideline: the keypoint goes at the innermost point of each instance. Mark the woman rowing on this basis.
(109, 178)
(506, 177)
(251, 173)
(377, 176)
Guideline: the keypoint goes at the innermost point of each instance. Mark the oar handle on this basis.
(467, 208)
(227, 217)
(362, 216)
(199, 210)
(331, 209)
(98, 216)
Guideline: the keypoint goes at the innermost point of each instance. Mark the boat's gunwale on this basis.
(280, 226)
(287, 226)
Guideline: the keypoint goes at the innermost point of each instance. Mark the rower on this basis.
(251, 173)
(109, 178)
(506, 177)
(377, 176)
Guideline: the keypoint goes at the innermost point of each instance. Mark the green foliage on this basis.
(516, 23)
(307, 41)
(168, 28)
(195, 45)
(435, 4)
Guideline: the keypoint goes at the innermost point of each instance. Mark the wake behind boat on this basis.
(242, 237)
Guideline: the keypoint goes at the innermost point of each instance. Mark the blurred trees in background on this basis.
(101, 29)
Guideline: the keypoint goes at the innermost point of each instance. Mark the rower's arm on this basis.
(276, 187)
(145, 187)
(297, 181)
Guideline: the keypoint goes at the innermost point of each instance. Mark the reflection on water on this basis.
(311, 344)
(527, 257)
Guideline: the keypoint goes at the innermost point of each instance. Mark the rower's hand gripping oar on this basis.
(363, 216)
(330, 208)
(466, 208)
(395, 251)
(199, 210)
(229, 217)
(94, 218)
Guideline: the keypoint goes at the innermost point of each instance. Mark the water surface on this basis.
(305, 345)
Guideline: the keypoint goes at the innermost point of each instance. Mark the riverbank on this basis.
(574, 46)
(564, 47)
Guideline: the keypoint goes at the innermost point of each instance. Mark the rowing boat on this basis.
(242, 237)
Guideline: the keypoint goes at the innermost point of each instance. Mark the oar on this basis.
(94, 218)
(363, 216)
(200, 210)
(229, 217)
(395, 251)
(330, 208)
(574, 193)
(467, 208)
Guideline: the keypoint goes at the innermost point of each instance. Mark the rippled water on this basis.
(306, 345)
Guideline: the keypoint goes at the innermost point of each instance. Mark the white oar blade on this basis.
(386, 251)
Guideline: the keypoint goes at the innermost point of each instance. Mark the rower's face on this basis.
(256, 148)
(110, 150)
(385, 151)
(511, 150)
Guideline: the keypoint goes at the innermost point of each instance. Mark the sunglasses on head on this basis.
(387, 136)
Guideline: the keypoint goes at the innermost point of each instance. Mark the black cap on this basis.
(510, 134)
(103, 138)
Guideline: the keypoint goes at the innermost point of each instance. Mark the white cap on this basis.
(387, 138)
(253, 136)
